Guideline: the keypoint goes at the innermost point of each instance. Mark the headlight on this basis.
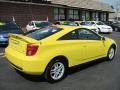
(1, 36)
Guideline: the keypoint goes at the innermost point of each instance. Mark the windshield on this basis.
(100, 23)
(43, 33)
(42, 24)
(86, 23)
(69, 23)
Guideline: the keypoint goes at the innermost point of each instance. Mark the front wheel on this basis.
(55, 71)
(111, 53)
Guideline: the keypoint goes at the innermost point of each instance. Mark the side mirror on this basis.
(103, 38)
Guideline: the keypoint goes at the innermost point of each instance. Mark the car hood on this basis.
(104, 26)
(90, 27)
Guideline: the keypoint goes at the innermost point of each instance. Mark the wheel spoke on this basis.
(55, 75)
(53, 71)
(111, 53)
(61, 67)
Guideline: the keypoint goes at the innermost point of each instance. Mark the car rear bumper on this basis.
(28, 65)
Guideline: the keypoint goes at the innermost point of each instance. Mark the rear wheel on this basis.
(56, 71)
(111, 53)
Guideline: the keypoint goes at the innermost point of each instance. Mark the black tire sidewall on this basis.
(47, 71)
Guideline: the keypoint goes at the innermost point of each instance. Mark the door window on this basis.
(85, 34)
(70, 36)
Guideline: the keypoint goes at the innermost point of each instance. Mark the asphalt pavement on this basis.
(97, 75)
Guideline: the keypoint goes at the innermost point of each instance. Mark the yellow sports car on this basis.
(50, 51)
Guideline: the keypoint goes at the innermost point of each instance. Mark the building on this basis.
(24, 11)
(114, 16)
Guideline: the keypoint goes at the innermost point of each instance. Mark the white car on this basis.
(102, 28)
(33, 25)
(94, 28)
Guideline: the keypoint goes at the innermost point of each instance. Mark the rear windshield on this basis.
(43, 33)
(42, 24)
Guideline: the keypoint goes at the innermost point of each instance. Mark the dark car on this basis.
(109, 23)
(116, 26)
(6, 28)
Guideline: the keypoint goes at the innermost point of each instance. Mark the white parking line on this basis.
(1, 54)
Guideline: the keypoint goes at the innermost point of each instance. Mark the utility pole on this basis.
(117, 9)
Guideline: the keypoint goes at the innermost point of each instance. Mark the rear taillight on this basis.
(31, 49)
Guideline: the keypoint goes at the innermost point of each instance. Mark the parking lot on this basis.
(98, 75)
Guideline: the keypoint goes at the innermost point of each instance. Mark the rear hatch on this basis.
(20, 43)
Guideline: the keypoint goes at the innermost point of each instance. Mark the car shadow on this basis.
(72, 70)
(33, 78)
(3, 46)
(83, 66)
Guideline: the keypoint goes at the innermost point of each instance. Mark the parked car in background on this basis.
(116, 26)
(33, 25)
(74, 23)
(65, 46)
(86, 25)
(6, 28)
(70, 23)
(102, 28)
(108, 22)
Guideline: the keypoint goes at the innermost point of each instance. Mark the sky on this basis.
(115, 3)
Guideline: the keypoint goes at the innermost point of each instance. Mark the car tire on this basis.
(111, 53)
(56, 70)
(116, 29)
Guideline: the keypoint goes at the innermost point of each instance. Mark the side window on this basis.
(70, 36)
(85, 34)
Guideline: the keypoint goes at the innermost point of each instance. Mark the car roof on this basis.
(69, 28)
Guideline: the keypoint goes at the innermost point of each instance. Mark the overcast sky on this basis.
(112, 2)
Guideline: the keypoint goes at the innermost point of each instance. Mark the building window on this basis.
(104, 15)
(73, 14)
(59, 13)
(94, 16)
(97, 16)
(83, 15)
(87, 15)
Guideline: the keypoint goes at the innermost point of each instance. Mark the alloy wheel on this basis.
(57, 70)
